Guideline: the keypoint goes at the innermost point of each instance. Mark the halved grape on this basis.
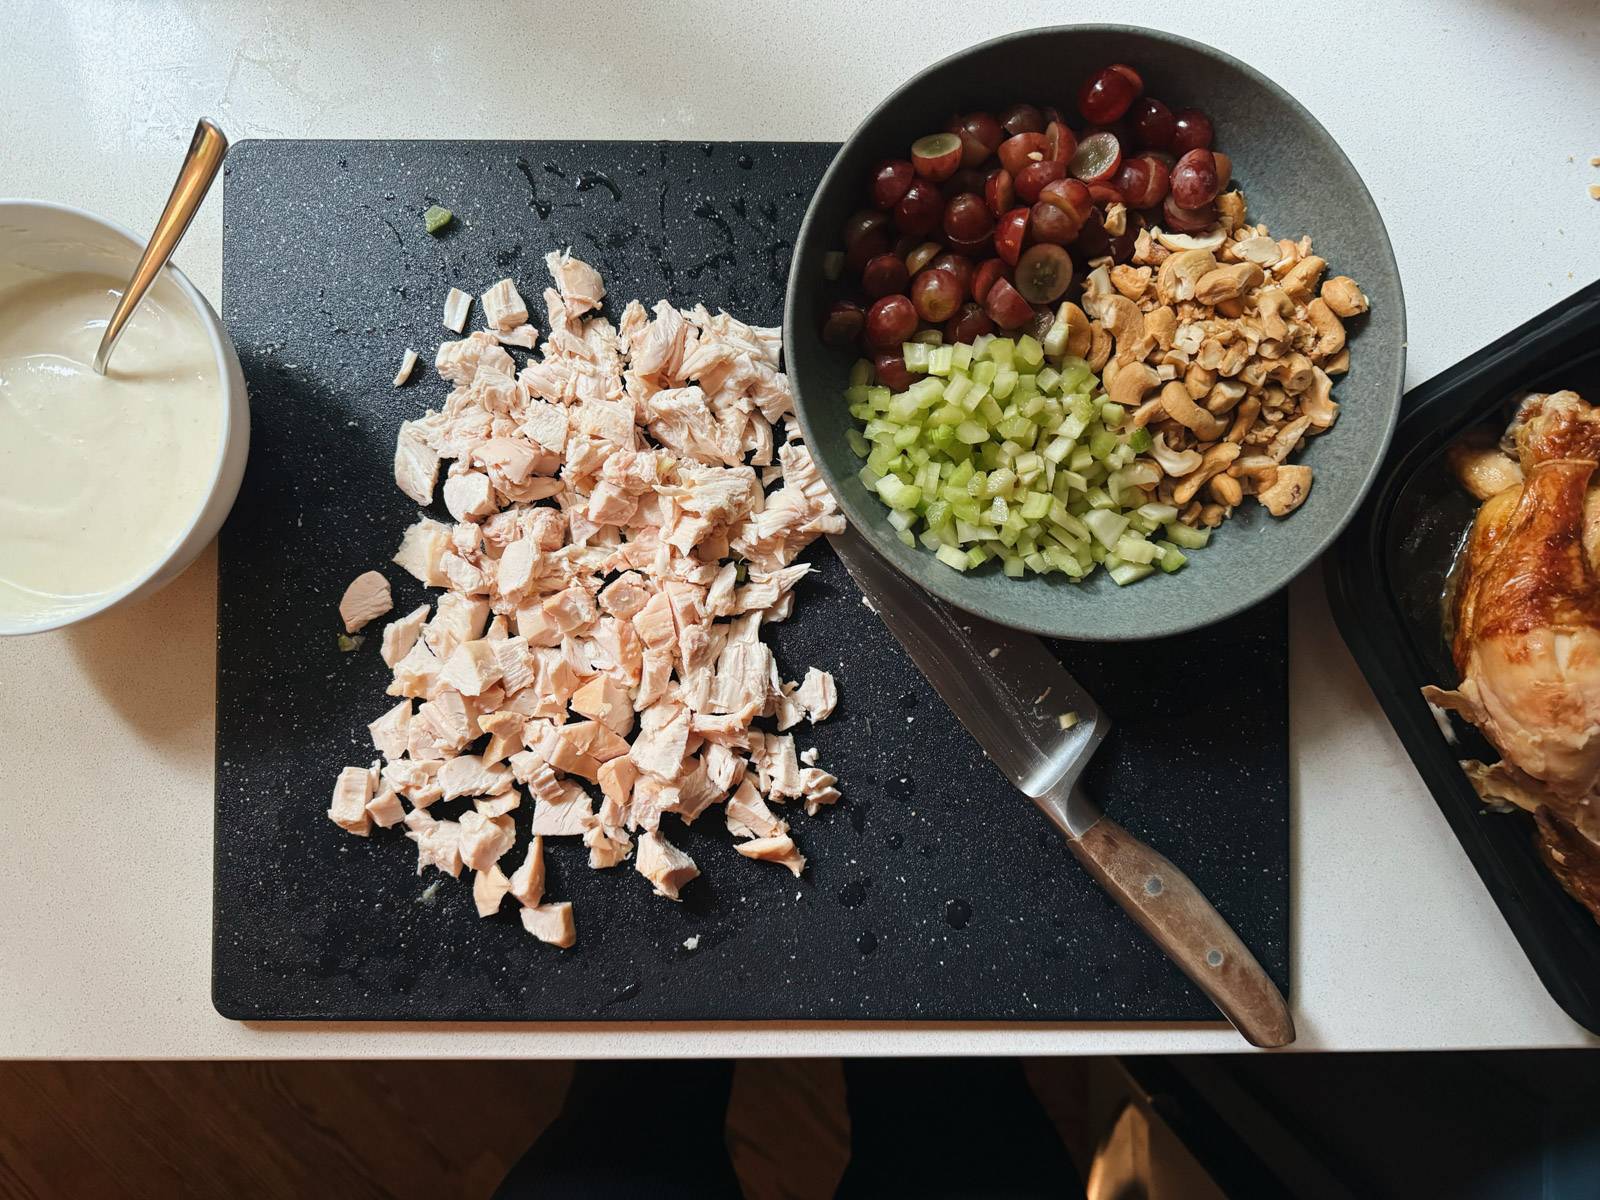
(983, 278)
(890, 179)
(1194, 179)
(1187, 220)
(958, 265)
(1043, 273)
(1097, 158)
(937, 156)
(890, 321)
(981, 136)
(1032, 179)
(1153, 124)
(978, 247)
(1017, 152)
(1106, 194)
(1006, 306)
(936, 295)
(1047, 223)
(1022, 118)
(865, 248)
(999, 191)
(863, 222)
(891, 372)
(885, 275)
(969, 322)
(1108, 93)
(1142, 181)
(921, 255)
(1009, 233)
(967, 218)
(1060, 142)
(919, 209)
(844, 323)
(1191, 131)
(1071, 196)
(1128, 73)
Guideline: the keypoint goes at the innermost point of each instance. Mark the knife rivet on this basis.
(1213, 958)
(1152, 886)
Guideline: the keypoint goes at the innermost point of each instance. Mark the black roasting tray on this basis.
(1385, 578)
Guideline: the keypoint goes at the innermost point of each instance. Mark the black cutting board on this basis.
(934, 891)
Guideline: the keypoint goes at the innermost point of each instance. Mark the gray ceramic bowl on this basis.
(1294, 177)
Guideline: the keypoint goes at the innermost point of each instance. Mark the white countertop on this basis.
(1472, 123)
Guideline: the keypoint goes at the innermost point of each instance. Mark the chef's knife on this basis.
(1010, 692)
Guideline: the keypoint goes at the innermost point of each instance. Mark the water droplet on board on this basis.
(858, 810)
(957, 913)
(853, 894)
(706, 148)
(867, 943)
(593, 179)
(899, 789)
(909, 700)
(746, 161)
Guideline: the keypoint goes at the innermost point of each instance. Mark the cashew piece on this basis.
(1227, 283)
(1254, 472)
(1317, 401)
(1344, 296)
(1175, 399)
(1339, 363)
(1181, 272)
(1294, 373)
(1097, 290)
(1262, 251)
(1125, 322)
(1231, 209)
(1162, 324)
(1132, 282)
(1077, 323)
(1210, 241)
(1288, 490)
(1131, 383)
(1150, 410)
(1225, 394)
(1099, 347)
(1175, 463)
(1301, 281)
(1213, 462)
(1199, 380)
(1330, 330)
(1286, 439)
(1225, 489)
(1243, 417)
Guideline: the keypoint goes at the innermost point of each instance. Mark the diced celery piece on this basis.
(1185, 538)
(916, 356)
(1081, 459)
(956, 388)
(950, 556)
(1061, 517)
(858, 443)
(1048, 378)
(998, 511)
(963, 472)
(1032, 407)
(1100, 498)
(1133, 548)
(1159, 513)
(1000, 482)
(869, 478)
(906, 436)
(860, 373)
(1013, 566)
(977, 556)
(879, 397)
(1029, 352)
(971, 433)
(1125, 573)
(1171, 558)
(906, 537)
(1074, 481)
(1036, 506)
(1101, 443)
(989, 411)
(1141, 524)
(937, 512)
(983, 372)
(1055, 341)
(1073, 426)
(1004, 380)
(962, 359)
(1027, 461)
(1111, 414)
(1106, 526)
(1140, 439)
(1057, 450)
(902, 520)
(941, 359)
(1000, 351)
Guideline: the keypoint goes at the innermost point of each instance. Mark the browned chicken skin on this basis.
(1527, 634)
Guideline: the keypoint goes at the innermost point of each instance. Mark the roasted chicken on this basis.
(1527, 630)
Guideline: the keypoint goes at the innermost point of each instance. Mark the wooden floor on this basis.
(434, 1131)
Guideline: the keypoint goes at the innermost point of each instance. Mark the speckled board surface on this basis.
(934, 891)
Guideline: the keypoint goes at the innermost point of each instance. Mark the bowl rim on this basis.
(1243, 597)
(224, 357)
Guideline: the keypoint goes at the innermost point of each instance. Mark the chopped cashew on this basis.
(1175, 463)
(1288, 490)
(1205, 426)
(1131, 384)
(1215, 460)
(1343, 296)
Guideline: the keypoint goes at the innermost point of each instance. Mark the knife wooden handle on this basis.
(1168, 906)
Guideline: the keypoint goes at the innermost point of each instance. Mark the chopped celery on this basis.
(860, 373)
(916, 356)
(1140, 439)
(941, 359)
(1133, 548)
(1171, 558)
(950, 556)
(1185, 538)
(1106, 526)
(1125, 573)
(435, 219)
(858, 444)
(1159, 513)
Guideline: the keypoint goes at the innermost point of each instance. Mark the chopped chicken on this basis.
(779, 849)
(503, 307)
(551, 923)
(664, 865)
(488, 889)
(366, 599)
(613, 561)
(456, 307)
(408, 364)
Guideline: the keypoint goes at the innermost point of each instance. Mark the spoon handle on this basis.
(194, 180)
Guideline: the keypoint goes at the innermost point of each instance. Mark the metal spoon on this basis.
(200, 167)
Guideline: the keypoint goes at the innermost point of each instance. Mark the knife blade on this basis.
(1013, 696)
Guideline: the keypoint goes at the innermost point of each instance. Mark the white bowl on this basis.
(57, 236)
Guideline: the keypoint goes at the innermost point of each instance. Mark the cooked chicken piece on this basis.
(565, 817)
(469, 496)
(366, 599)
(780, 849)
(607, 701)
(580, 284)
(663, 740)
(407, 365)
(1527, 631)
(421, 547)
(749, 817)
(351, 792)
(499, 805)
(551, 923)
(467, 775)
(456, 619)
(523, 336)
(503, 306)
(456, 307)
(607, 847)
(817, 786)
(818, 694)
(527, 881)
(485, 839)
(416, 467)
(400, 635)
(472, 668)
(385, 808)
(416, 781)
(488, 889)
(664, 865)
(438, 842)
(389, 732)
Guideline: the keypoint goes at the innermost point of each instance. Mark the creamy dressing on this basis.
(100, 477)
